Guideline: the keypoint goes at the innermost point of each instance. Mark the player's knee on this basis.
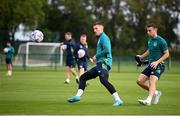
(104, 73)
(103, 80)
(138, 82)
(84, 77)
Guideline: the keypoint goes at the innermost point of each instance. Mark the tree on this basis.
(164, 13)
(124, 20)
(14, 12)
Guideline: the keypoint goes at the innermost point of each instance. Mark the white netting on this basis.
(39, 54)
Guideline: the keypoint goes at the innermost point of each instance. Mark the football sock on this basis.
(116, 96)
(156, 92)
(77, 77)
(149, 99)
(79, 92)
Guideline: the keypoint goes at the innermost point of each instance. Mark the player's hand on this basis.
(138, 60)
(140, 56)
(91, 60)
(154, 65)
(94, 58)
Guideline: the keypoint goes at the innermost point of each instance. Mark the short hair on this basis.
(68, 33)
(83, 35)
(8, 42)
(152, 25)
(98, 23)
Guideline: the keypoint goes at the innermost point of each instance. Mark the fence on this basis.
(52, 62)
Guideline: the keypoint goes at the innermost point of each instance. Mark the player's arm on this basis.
(70, 43)
(165, 50)
(91, 60)
(76, 51)
(88, 57)
(145, 54)
(86, 52)
(66, 43)
(164, 57)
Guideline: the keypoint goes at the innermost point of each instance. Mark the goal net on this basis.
(39, 54)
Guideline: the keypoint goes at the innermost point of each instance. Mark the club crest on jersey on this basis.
(155, 44)
(158, 71)
(81, 66)
(81, 46)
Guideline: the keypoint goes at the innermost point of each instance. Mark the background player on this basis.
(9, 51)
(157, 52)
(70, 57)
(83, 61)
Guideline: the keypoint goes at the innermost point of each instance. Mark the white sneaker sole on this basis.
(143, 102)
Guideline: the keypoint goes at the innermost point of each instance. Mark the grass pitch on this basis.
(44, 93)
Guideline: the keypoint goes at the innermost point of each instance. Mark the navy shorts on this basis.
(82, 65)
(70, 62)
(8, 61)
(156, 72)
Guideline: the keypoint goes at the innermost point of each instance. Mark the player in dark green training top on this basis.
(104, 63)
(9, 51)
(157, 52)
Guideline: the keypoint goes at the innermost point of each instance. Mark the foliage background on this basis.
(124, 20)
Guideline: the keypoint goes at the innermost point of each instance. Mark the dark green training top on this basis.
(103, 52)
(156, 47)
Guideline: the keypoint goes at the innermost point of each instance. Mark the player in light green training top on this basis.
(157, 52)
(104, 63)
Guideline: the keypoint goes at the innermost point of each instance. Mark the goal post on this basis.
(39, 54)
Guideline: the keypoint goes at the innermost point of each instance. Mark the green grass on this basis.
(43, 92)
